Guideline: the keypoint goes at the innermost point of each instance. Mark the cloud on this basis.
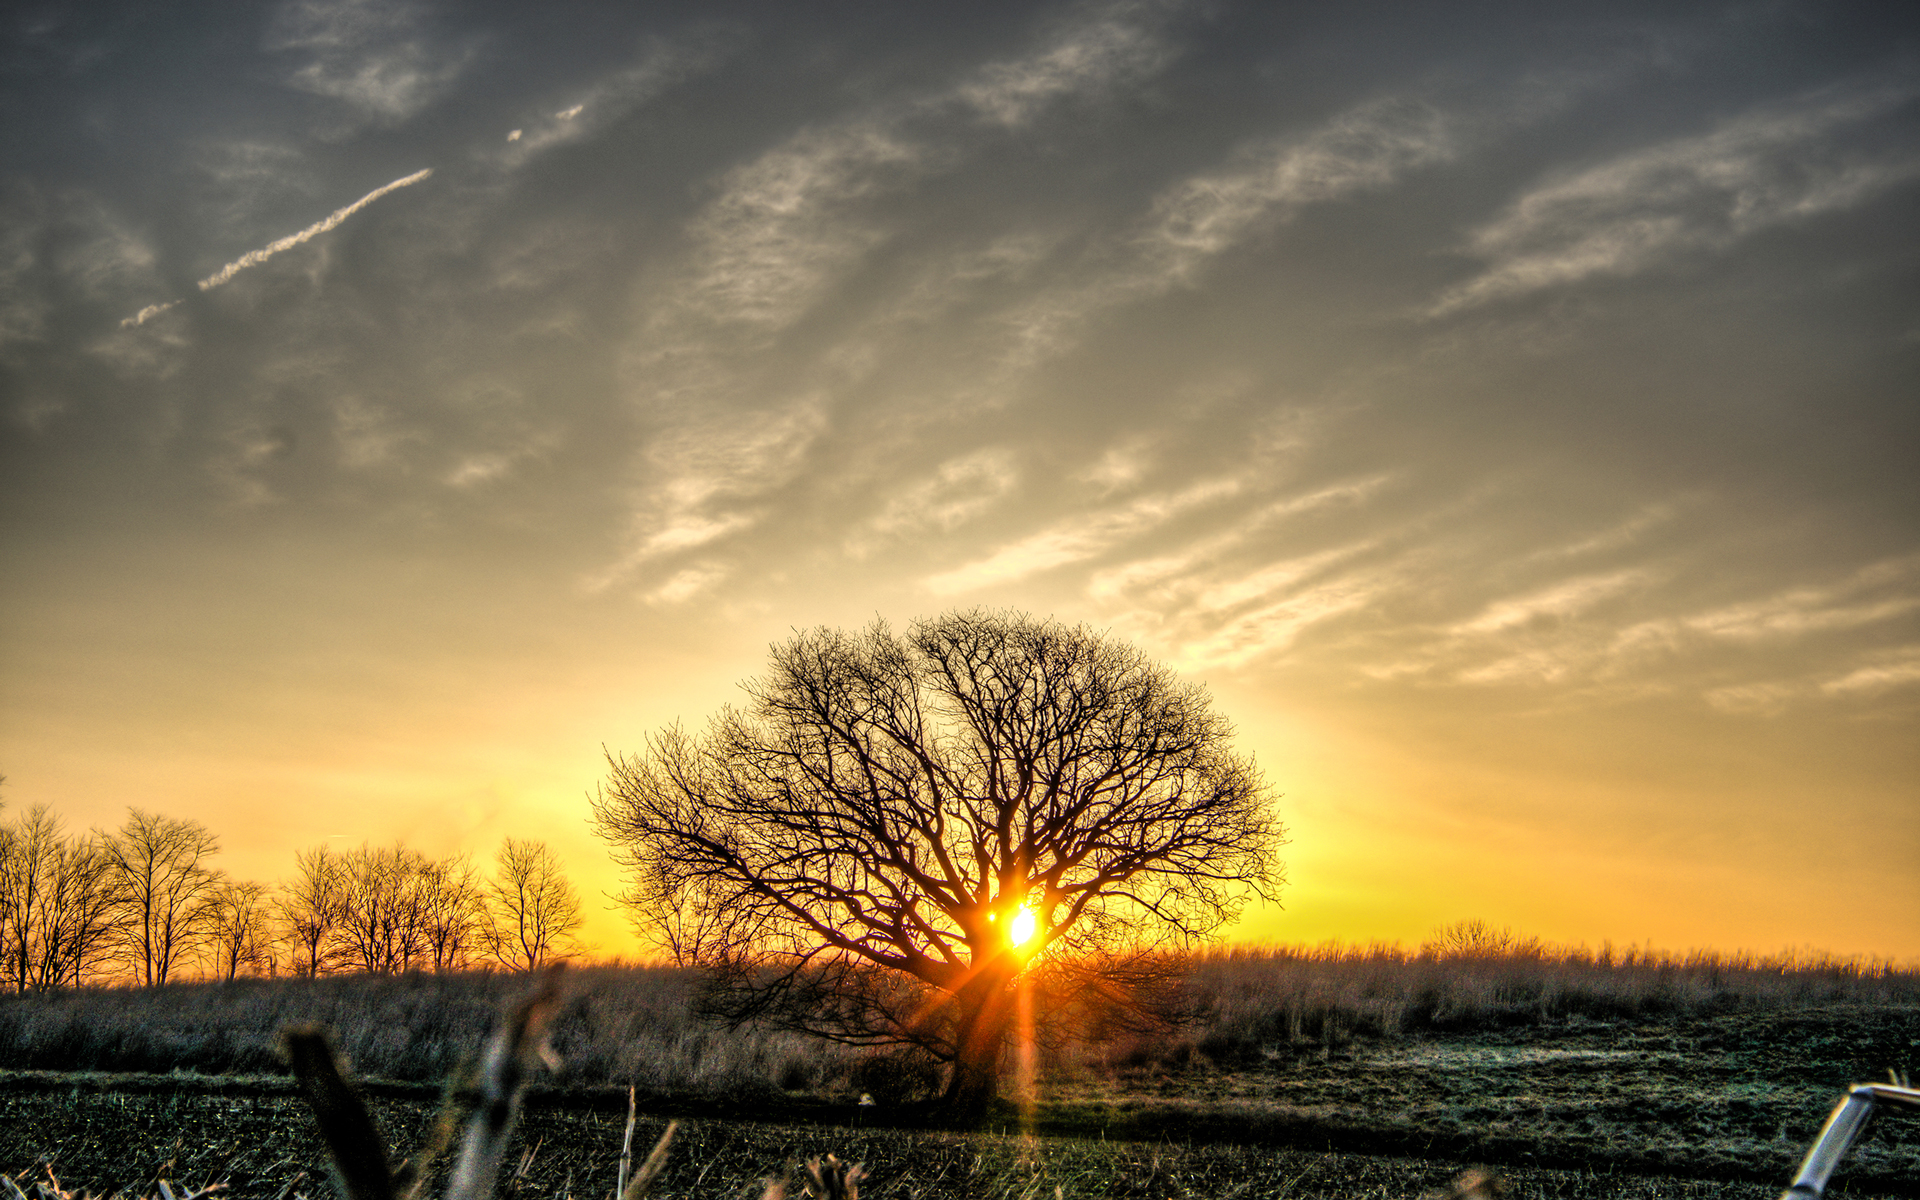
(1895, 668)
(661, 65)
(687, 583)
(1078, 538)
(776, 239)
(147, 314)
(1171, 581)
(368, 435)
(1618, 537)
(791, 226)
(1222, 599)
(1752, 699)
(1114, 49)
(711, 474)
(1642, 209)
(254, 258)
(1273, 628)
(23, 308)
(1595, 629)
(1196, 221)
(960, 491)
(369, 54)
(1805, 610)
(1364, 149)
(1568, 598)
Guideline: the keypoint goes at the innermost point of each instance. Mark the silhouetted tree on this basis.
(456, 919)
(1474, 938)
(166, 887)
(535, 908)
(60, 906)
(859, 843)
(310, 909)
(240, 934)
(383, 921)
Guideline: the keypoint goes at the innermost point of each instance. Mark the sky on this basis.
(1508, 411)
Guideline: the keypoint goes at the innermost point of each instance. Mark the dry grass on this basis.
(1245, 999)
(638, 1026)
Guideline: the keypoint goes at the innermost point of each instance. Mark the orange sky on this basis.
(1510, 418)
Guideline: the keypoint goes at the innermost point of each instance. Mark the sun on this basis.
(1022, 928)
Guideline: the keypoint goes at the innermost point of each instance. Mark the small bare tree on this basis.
(456, 917)
(168, 889)
(383, 927)
(240, 935)
(1474, 938)
(535, 908)
(59, 904)
(311, 908)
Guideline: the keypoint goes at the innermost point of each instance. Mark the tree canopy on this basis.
(891, 814)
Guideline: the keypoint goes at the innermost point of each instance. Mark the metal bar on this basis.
(1849, 1118)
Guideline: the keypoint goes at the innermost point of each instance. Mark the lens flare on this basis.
(1023, 926)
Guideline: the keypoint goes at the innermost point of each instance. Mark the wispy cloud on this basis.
(1640, 210)
(776, 238)
(1895, 668)
(1366, 148)
(1168, 581)
(371, 54)
(960, 491)
(1878, 592)
(1078, 538)
(1567, 598)
(1273, 628)
(1626, 533)
(1621, 629)
(1193, 223)
(790, 227)
(712, 477)
(1115, 48)
(662, 64)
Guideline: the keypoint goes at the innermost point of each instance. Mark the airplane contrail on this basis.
(256, 257)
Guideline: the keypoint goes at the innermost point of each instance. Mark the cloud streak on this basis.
(1625, 216)
(255, 257)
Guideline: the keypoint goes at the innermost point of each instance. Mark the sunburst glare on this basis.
(1023, 927)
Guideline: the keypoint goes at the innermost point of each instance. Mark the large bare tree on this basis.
(894, 827)
(167, 888)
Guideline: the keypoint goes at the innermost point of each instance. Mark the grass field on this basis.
(1289, 1083)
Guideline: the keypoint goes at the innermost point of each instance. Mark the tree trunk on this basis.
(985, 1010)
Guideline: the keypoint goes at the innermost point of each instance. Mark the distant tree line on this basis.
(143, 904)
